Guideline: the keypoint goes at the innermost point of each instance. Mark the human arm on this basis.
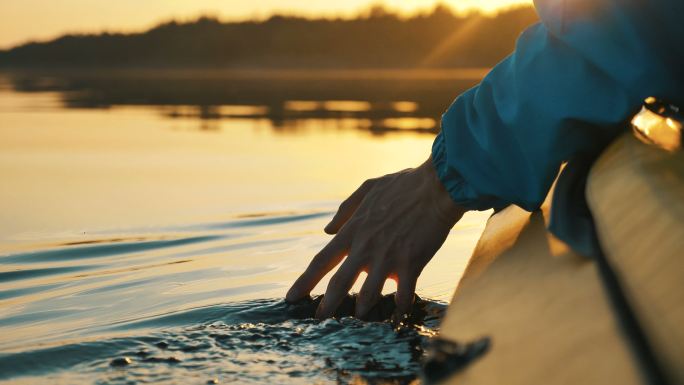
(572, 82)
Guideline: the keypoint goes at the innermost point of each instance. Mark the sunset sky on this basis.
(24, 20)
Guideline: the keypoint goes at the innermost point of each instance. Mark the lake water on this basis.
(151, 240)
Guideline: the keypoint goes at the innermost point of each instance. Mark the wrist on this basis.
(445, 207)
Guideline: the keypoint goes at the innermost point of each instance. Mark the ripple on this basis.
(265, 221)
(20, 274)
(131, 308)
(14, 293)
(38, 316)
(103, 250)
(230, 247)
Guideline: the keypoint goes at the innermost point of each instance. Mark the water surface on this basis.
(165, 234)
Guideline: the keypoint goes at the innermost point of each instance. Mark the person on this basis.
(572, 83)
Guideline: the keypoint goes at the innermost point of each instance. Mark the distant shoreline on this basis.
(438, 40)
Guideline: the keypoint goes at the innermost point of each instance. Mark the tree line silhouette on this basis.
(377, 39)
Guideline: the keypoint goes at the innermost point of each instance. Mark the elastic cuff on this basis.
(459, 190)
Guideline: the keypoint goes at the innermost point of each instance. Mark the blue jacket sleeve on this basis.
(569, 87)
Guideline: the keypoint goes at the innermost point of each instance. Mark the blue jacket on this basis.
(572, 83)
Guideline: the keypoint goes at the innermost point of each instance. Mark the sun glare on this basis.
(462, 5)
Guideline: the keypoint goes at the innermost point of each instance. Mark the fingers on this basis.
(371, 291)
(348, 207)
(329, 257)
(405, 294)
(339, 287)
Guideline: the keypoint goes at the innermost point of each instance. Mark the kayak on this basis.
(551, 316)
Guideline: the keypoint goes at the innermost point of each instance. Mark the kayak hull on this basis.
(545, 309)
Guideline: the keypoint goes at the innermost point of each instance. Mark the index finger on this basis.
(326, 259)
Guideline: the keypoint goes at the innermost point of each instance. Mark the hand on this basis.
(391, 227)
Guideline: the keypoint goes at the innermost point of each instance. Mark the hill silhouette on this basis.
(377, 39)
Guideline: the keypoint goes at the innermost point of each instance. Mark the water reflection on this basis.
(409, 123)
(215, 112)
(342, 115)
(375, 101)
(405, 106)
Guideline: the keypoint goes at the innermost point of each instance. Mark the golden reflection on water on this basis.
(346, 106)
(410, 123)
(302, 105)
(329, 105)
(75, 169)
(405, 106)
(215, 112)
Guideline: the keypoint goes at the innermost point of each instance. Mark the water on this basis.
(152, 241)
